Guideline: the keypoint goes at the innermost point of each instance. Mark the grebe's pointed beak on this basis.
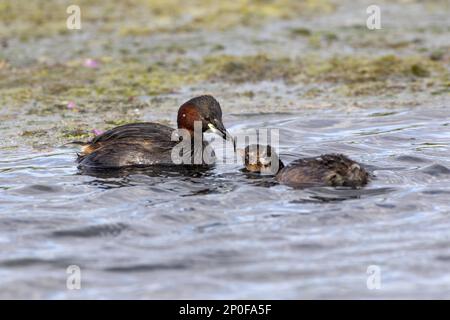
(219, 129)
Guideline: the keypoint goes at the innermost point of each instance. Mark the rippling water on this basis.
(222, 234)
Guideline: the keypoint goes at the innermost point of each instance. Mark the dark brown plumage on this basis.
(325, 170)
(147, 143)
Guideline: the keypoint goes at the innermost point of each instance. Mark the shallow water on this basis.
(222, 234)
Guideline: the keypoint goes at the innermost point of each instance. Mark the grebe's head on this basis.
(205, 109)
(261, 159)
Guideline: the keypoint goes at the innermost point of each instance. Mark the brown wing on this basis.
(143, 133)
(134, 143)
(123, 154)
(328, 169)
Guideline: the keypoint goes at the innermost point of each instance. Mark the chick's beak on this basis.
(219, 129)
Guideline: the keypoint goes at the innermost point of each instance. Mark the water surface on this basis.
(220, 234)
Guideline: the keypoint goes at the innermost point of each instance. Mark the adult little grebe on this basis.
(326, 170)
(143, 144)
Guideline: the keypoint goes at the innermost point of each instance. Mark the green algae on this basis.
(304, 32)
(34, 133)
(419, 70)
(244, 68)
(41, 18)
(319, 39)
(105, 97)
(41, 88)
(351, 75)
(120, 122)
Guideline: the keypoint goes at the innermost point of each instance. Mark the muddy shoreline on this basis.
(270, 58)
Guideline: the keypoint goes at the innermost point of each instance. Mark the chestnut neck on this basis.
(187, 115)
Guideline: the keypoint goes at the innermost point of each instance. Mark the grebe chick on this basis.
(147, 143)
(326, 170)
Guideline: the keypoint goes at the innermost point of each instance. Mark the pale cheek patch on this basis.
(213, 129)
(265, 161)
